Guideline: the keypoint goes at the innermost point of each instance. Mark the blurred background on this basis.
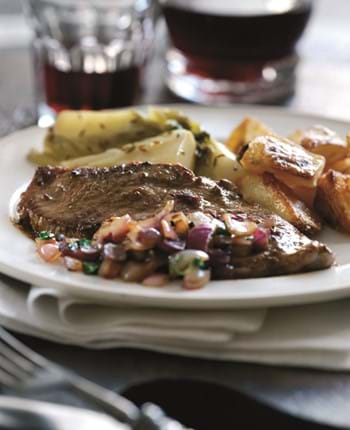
(323, 77)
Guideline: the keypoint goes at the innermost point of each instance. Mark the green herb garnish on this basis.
(177, 268)
(222, 231)
(46, 235)
(84, 243)
(90, 268)
(172, 124)
(202, 136)
(73, 246)
(197, 262)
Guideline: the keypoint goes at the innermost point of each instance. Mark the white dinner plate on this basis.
(19, 259)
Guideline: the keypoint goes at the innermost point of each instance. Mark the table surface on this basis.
(322, 88)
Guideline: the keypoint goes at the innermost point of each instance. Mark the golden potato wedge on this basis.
(323, 141)
(273, 195)
(333, 199)
(285, 159)
(246, 131)
(342, 166)
(307, 195)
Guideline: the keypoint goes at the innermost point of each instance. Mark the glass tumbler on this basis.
(225, 51)
(89, 54)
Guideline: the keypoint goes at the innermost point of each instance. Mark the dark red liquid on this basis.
(215, 45)
(92, 91)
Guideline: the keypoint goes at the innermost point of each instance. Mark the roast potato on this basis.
(342, 166)
(246, 131)
(273, 195)
(307, 195)
(285, 159)
(333, 199)
(178, 146)
(323, 141)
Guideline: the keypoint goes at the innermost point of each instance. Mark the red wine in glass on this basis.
(89, 54)
(234, 50)
(90, 91)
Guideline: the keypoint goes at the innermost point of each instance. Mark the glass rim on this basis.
(231, 7)
(94, 3)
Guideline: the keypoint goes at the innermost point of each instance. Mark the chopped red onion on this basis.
(154, 222)
(239, 228)
(172, 246)
(114, 252)
(49, 252)
(199, 218)
(156, 280)
(260, 239)
(86, 253)
(179, 221)
(73, 264)
(238, 217)
(200, 236)
(149, 237)
(109, 269)
(167, 230)
(134, 271)
(140, 256)
(113, 229)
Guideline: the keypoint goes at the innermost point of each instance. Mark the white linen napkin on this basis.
(48, 311)
(311, 335)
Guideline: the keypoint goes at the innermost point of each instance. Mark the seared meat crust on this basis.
(76, 201)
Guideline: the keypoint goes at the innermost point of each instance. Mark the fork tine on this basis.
(6, 380)
(13, 356)
(47, 373)
(23, 351)
(12, 369)
(18, 363)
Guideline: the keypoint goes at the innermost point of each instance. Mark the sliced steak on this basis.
(76, 202)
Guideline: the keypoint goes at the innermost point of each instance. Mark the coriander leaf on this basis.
(90, 268)
(46, 235)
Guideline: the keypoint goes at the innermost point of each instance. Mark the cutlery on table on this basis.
(23, 414)
(23, 371)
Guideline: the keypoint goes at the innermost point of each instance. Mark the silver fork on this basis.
(23, 371)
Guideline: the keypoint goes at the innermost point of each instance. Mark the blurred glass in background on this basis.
(234, 51)
(89, 54)
(322, 74)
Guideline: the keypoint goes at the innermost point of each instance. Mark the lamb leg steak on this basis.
(75, 202)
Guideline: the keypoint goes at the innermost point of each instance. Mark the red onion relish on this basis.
(170, 243)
